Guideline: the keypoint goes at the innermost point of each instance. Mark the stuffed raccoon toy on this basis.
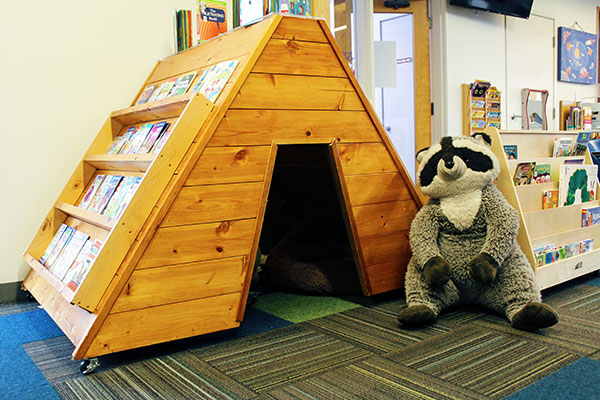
(464, 241)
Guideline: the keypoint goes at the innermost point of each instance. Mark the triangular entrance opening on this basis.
(305, 230)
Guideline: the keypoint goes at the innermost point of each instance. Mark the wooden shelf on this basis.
(560, 226)
(162, 109)
(49, 277)
(121, 162)
(86, 215)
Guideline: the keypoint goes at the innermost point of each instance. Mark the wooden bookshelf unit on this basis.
(561, 225)
(179, 260)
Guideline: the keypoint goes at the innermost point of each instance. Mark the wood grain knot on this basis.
(293, 45)
(223, 227)
(240, 155)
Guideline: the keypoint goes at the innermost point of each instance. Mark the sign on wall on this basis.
(577, 56)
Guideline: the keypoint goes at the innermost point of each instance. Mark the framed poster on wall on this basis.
(577, 56)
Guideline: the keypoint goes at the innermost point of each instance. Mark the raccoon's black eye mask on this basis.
(474, 160)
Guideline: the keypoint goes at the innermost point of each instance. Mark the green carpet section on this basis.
(299, 308)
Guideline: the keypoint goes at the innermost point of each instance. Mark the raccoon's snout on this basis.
(452, 169)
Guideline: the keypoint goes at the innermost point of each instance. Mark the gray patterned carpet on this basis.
(358, 353)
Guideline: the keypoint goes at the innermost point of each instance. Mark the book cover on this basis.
(127, 139)
(152, 136)
(60, 245)
(590, 216)
(79, 275)
(165, 88)
(562, 147)
(104, 193)
(577, 184)
(162, 140)
(78, 263)
(216, 78)
(511, 151)
(117, 198)
(581, 143)
(541, 173)
(131, 189)
(70, 252)
(200, 80)
(138, 139)
(91, 192)
(300, 7)
(550, 199)
(146, 93)
(121, 141)
(524, 173)
(212, 19)
(53, 243)
(182, 84)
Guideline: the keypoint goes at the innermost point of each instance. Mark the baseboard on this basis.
(11, 292)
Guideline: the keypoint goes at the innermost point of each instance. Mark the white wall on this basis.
(469, 45)
(66, 64)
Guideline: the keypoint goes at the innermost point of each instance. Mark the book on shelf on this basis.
(215, 78)
(580, 146)
(146, 93)
(104, 193)
(152, 136)
(162, 140)
(69, 254)
(182, 84)
(60, 245)
(138, 139)
(165, 89)
(81, 267)
(121, 197)
(212, 19)
(524, 173)
(511, 151)
(53, 243)
(541, 173)
(550, 253)
(127, 140)
(121, 142)
(550, 199)
(91, 192)
(577, 183)
(563, 146)
(590, 216)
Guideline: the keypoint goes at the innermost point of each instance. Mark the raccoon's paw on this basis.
(437, 271)
(483, 268)
(534, 316)
(417, 315)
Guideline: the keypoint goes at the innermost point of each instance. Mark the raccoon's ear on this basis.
(420, 154)
(482, 137)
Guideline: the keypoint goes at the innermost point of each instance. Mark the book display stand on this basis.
(179, 260)
(481, 107)
(560, 226)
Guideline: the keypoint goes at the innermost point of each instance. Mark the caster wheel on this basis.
(88, 366)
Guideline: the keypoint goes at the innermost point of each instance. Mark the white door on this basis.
(395, 106)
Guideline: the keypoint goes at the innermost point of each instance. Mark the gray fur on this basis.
(493, 231)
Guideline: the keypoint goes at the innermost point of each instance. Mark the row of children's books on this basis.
(146, 138)
(562, 147)
(70, 255)
(550, 253)
(109, 195)
(210, 84)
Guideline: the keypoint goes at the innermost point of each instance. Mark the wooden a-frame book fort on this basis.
(179, 260)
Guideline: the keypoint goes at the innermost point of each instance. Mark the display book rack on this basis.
(178, 262)
(538, 227)
(481, 106)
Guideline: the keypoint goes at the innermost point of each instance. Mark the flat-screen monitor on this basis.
(515, 8)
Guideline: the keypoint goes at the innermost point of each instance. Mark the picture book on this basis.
(104, 193)
(212, 19)
(581, 143)
(300, 7)
(117, 145)
(478, 114)
(182, 84)
(138, 139)
(215, 79)
(152, 136)
(53, 243)
(131, 189)
(541, 173)
(524, 173)
(120, 196)
(91, 192)
(562, 147)
(590, 216)
(162, 140)
(511, 151)
(78, 263)
(78, 275)
(60, 245)
(550, 199)
(127, 139)
(165, 88)
(577, 184)
(146, 93)
(70, 252)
